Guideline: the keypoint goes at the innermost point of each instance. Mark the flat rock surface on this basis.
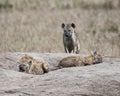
(96, 80)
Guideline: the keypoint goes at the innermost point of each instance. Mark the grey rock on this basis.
(95, 80)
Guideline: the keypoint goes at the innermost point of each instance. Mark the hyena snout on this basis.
(67, 34)
(22, 68)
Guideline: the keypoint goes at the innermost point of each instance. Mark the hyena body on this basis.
(73, 61)
(30, 65)
(70, 38)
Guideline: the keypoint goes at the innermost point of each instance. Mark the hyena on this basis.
(70, 38)
(73, 61)
(30, 65)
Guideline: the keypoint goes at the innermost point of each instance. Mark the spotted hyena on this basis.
(73, 61)
(70, 38)
(30, 65)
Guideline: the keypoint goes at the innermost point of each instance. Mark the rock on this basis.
(95, 80)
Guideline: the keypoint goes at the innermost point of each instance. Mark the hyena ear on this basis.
(95, 53)
(62, 25)
(73, 25)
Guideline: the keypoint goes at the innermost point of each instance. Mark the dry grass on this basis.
(36, 26)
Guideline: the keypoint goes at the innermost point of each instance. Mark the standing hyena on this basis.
(70, 39)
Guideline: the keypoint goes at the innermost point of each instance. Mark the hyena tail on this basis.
(54, 68)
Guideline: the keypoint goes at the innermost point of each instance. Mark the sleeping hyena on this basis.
(70, 38)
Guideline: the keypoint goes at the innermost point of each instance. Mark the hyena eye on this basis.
(69, 30)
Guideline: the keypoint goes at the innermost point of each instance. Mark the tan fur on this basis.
(92, 59)
(71, 61)
(88, 60)
(25, 59)
(32, 66)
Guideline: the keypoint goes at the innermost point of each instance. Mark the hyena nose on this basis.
(21, 68)
(66, 35)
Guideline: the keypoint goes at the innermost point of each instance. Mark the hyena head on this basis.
(24, 67)
(97, 58)
(68, 29)
(25, 63)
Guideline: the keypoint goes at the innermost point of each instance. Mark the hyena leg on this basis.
(77, 49)
(73, 51)
(70, 50)
(60, 67)
(65, 48)
(77, 52)
(30, 71)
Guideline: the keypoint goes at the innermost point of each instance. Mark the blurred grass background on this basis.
(35, 25)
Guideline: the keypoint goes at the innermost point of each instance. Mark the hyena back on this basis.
(70, 38)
